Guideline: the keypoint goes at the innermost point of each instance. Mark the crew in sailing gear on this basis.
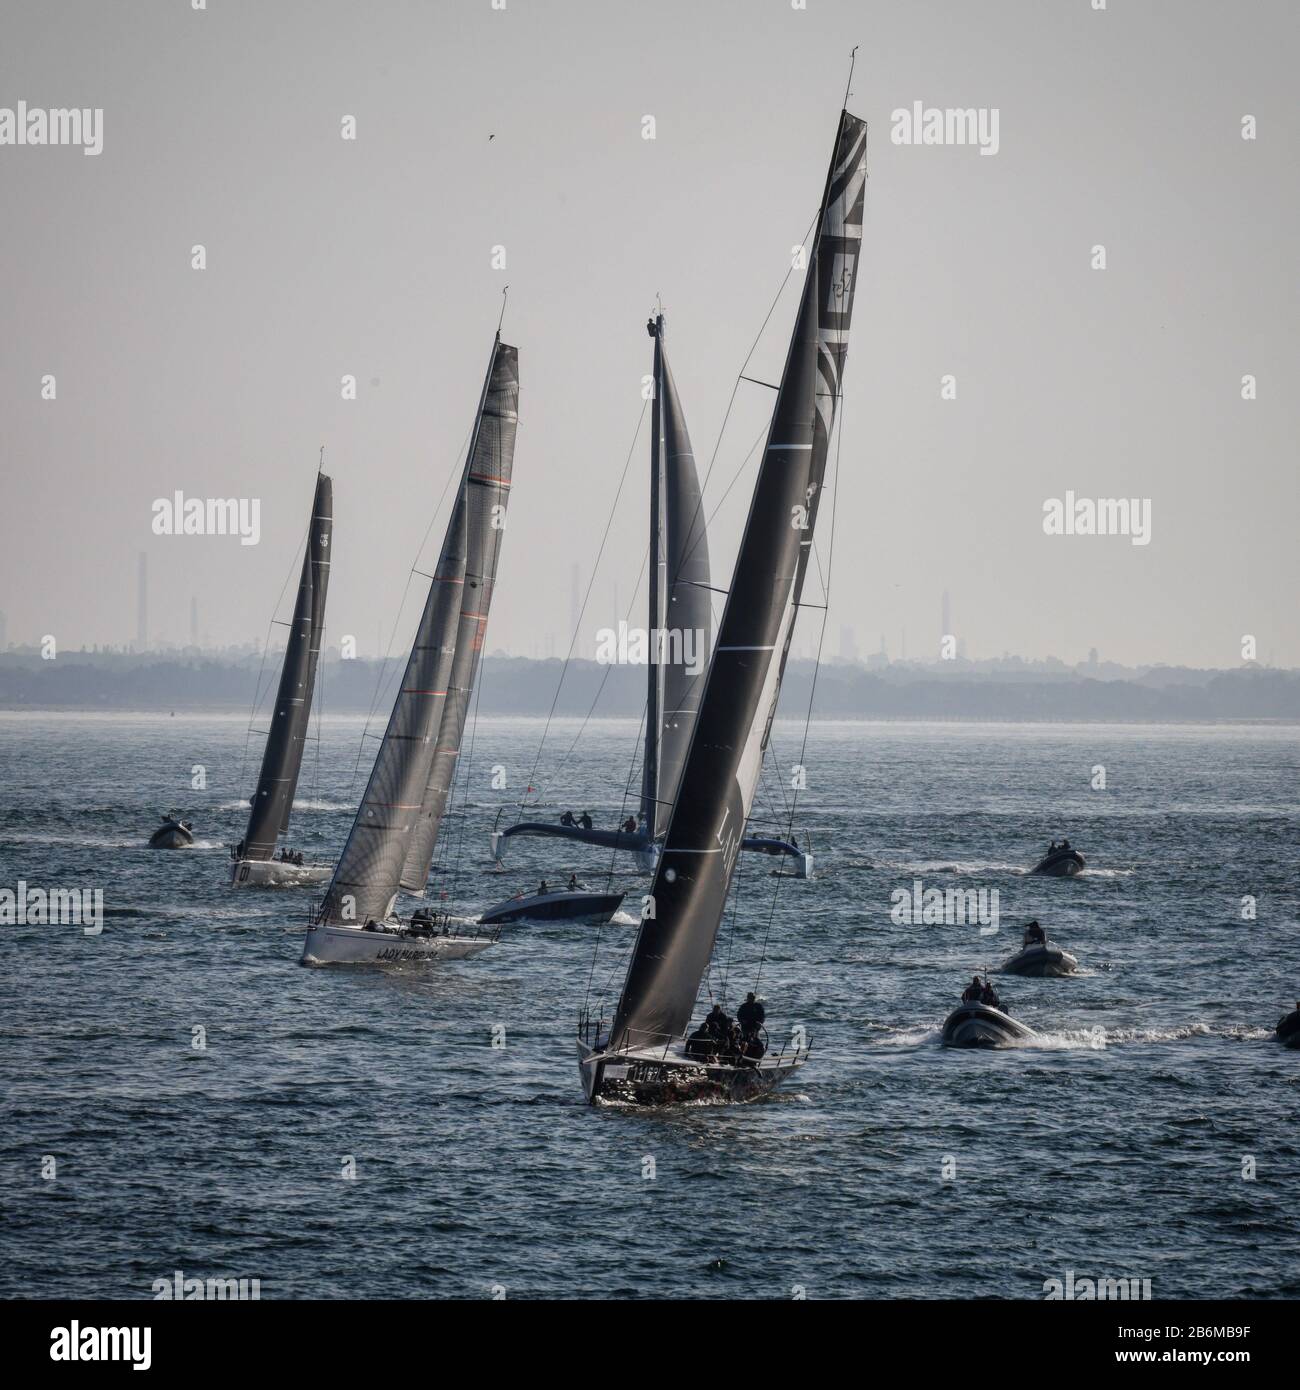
(573, 882)
(544, 888)
(989, 996)
(629, 826)
(971, 994)
(701, 1042)
(1051, 849)
(584, 820)
(1065, 844)
(751, 1016)
(1034, 934)
(719, 1023)
(567, 818)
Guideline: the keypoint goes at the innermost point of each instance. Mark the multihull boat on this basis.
(566, 906)
(253, 859)
(679, 604)
(1288, 1029)
(1041, 960)
(1060, 863)
(172, 834)
(981, 1025)
(642, 1057)
(393, 837)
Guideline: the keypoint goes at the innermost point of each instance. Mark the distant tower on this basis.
(947, 615)
(902, 646)
(1093, 658)
(848, 644)
(142, 603)
(194, 620)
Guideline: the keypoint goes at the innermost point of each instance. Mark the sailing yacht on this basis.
(393, 838)
(642, 1055)
(679, 603)
(254, 862)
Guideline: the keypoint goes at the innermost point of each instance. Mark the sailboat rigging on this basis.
(254, 858)
(679, 624)
(643, 1055)
(393, 837)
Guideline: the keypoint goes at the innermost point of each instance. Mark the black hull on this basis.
(555, 907)
(636, 842)
(1065, 863)
(979, 1025)
(173, 835)
(1288, 1030)
(632, 841)
(1041, 962)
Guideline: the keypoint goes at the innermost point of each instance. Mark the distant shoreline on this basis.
(1006, 692)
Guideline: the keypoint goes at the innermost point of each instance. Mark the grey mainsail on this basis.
(681, 614)
(720, 776)
(282, 757)
(369, 871)
(484, 497)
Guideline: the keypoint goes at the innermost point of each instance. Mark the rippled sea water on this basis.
(1117, 1146)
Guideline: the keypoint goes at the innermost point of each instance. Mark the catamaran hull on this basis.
(654, 1081)
(1288, 1030)
(979, 1025)
(275, 873)
(327, 945)
(1041, 962)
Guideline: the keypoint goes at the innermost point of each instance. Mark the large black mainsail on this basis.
(722, 766)
(392, 811)
(282, 758)
(681, 613)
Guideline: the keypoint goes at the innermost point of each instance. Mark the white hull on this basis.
(275, 873)
(334, 945)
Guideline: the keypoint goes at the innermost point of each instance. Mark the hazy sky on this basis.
(373, 257)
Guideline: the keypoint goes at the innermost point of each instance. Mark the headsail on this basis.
(370, 868)
(720, 776)
(282, 757)
(680, 608)
(487, 488)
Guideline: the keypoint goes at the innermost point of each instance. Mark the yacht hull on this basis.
(1288, 1030)
(591, 908)
(275, 873)
(334, 945)
(654, 1078)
